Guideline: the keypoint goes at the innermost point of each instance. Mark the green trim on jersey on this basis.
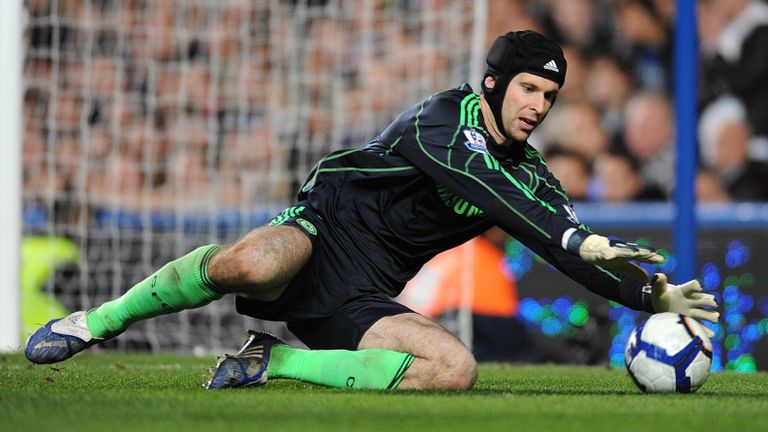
(609, 273)
(286, 214)
(540, 179)
(532, 153)
(469, 160)
(533, 177)
(366, 169)
(470, 111)
(290, 213)
(392, 147)
(494, 164)
(310, 183)
(512, 180)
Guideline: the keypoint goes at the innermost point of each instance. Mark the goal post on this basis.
(10, 173)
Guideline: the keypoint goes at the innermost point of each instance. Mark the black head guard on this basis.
(521, 51)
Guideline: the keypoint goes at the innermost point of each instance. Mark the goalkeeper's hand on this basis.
(686, 299)
(615, 255)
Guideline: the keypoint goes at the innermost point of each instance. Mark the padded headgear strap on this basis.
(515, 52)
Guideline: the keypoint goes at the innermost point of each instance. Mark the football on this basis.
(668, 353)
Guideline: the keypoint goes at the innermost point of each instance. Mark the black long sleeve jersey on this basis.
(434, 179)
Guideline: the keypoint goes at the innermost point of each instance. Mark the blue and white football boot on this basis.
(60, 339)
(246, 368)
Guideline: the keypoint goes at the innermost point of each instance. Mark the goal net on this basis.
(153, 127)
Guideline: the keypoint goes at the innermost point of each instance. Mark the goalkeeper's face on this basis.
(527, 101)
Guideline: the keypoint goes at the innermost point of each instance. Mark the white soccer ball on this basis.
(668, 353)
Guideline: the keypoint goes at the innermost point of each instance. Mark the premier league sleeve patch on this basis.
(571, 214)
(475, 141)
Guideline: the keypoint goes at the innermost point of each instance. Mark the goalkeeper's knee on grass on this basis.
(264, 356)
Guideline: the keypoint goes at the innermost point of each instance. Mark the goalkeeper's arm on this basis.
(612, 255)
(614, 286)
(687, 299)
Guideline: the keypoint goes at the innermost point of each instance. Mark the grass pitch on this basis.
(107, 392)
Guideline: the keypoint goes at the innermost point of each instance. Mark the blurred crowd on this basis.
(611, 135)
(177, 104)
(187, 104)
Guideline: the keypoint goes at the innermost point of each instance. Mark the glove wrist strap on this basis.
(647, 298)
(573, 238)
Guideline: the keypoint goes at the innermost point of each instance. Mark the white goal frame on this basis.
(10, 174)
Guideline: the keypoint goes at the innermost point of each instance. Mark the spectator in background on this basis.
(609, 85)
(117, 181)
(734, 40)
(648, 136)
(577, 23)
(575, 89)
(709, 189)
(580, 130)
(510, 14)
(643, 41)
(572, 170)
(131, 73)
(724, 137)
(617, 180)
(473, 275)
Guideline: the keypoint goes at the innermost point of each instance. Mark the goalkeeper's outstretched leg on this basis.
(363, 342)
(258, 266)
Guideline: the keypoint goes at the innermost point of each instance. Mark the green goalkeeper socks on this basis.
(180, 284)
(376, 369)
(184, 284)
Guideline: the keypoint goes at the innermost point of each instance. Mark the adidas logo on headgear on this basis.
(551, 65)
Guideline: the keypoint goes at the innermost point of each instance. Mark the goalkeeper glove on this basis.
(686, 299)
(613, 255)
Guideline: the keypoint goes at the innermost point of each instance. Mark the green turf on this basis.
(100, 392)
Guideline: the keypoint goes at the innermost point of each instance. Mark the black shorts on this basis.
(328, 305)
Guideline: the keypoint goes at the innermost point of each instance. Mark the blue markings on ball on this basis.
(679, 361)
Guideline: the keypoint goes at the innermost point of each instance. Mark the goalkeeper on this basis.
(367, 219)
